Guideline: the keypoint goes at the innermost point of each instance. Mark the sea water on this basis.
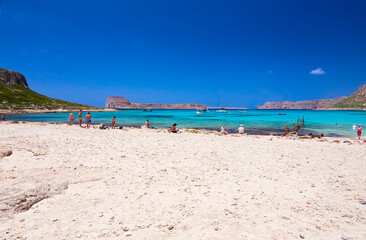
(330, 123)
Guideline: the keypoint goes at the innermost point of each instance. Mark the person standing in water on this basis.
(359, 131)
(80, 117)
(114, 122)
(147, 124)
(71, 118)
(88, 120)
(3, 116)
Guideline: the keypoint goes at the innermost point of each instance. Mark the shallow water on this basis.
(330, 123)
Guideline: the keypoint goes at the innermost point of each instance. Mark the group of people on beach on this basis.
(87, 119)
(173, 128)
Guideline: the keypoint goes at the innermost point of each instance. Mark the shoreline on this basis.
(96, 125)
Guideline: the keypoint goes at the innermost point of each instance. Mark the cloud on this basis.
(317, 71)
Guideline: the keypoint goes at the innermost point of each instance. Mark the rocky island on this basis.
(122, 102)
(356, 101)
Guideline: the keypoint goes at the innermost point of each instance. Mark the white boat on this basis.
(198, 112)
(242, 111)
(222, 111)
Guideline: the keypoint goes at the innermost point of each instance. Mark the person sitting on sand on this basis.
(114, 122)
(223, 130)
(322, 138)
(80, 117)
(147, 124)
(241, 129)
(173, 129)
(88, 120)
(359, 131)
(71, 118)
(311, 135)
(3, 116)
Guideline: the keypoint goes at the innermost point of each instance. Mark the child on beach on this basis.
(71, 118)
(88, 120)
(114, 122)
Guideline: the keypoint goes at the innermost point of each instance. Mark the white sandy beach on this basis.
(67, 182)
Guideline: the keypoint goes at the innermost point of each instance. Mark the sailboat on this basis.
(221, 110)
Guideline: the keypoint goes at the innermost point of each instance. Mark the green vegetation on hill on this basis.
(351, 103)
(356, 100)
(18, 96)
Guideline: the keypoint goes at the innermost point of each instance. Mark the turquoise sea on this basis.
(330, 123)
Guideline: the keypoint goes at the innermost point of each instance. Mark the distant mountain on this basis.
(122, 102)
(311, 104)
(356, 101)
(16, 95)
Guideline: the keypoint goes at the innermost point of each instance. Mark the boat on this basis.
(198, 112)
(282, 114)
(221, 110)
(242, 111)
(146, 110)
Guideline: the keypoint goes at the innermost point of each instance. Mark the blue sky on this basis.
(170, 51)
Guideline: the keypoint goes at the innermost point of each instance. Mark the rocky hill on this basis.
(122, 102)
(12, 78)
(311, 104)
(356, 101)
(16, 95)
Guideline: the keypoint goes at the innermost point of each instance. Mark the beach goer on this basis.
(173, 129)
(71, 118)
(3, 116)
(311, 135)
(241, 129)
(359, 131)
(88, 120)
(354, 127)
(80, 117)
(223, 130)
(147, 124)
(114, 122)
(322, 138)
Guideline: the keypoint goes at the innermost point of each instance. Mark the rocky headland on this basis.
(122, 102)
(356, 101)
(17, 97)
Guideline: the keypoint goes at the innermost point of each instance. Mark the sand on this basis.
(67, 182)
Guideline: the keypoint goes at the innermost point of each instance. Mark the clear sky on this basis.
(249, 51)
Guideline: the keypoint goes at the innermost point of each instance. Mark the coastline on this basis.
(69, 182)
